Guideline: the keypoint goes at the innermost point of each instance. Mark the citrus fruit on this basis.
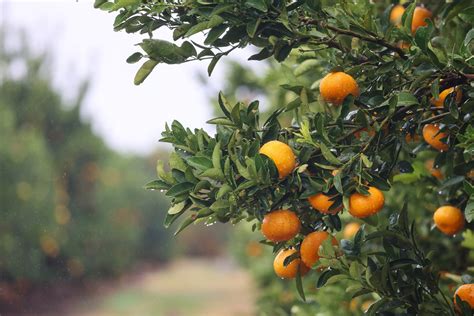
(291, 270)
(362, 206)
(396, 14)
(336, 86)
(435, 172)
(282, 156)
(254, 249)
(310, 246)
(419, 16)
(466, 294)
(322, 202)
(370, 132)
(433, 137)
(411, 138)
(443, 94)
(449, 219)
(350, 230)
(280, 225)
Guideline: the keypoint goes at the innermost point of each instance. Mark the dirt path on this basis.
(184, 288)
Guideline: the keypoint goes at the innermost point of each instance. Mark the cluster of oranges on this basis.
(283, 225)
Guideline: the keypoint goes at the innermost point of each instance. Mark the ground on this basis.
(185, 287)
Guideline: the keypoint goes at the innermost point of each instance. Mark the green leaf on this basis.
(200, 162)
(215, 33)
(157, 185)
(424, 34)
(175, 209)
(220, 204)
(135, 57)
(188, 221)
(252, 27)
(324, 277)
(469, 211)
(212, 173)
(144, 71)
(119, 4)
(98, 3)
(179, 189)
(213, 22)
(407, 18)
(328, 154)
(217, 156)
(469, 37)
(260, 5)
(406, 98)
(213, 63)
(299, 284)
(355, 270)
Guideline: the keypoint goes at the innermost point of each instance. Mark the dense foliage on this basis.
(370, 140)
(71, 207)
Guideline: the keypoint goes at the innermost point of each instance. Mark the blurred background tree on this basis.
(71, 207)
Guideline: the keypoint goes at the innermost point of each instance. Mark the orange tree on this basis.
(384, 81)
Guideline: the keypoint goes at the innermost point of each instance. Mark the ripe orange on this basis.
(362, 206)
(409, 138)
(470, 174)
(336, 86)
(433, 137)
(443, 94)
(370, 132)
(323, 203)
(403, 45)
(435, 172)
(254, 249)
(291, 270)
(466, 294)
(449, 219)
(280, 225)
(366, 305)
(396, 14)
(282, 156)
(419, 16)
(310, 247)
(350, 230)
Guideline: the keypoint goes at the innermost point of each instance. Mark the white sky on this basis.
(84, 45)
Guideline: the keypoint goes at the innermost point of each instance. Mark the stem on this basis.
(371, 39)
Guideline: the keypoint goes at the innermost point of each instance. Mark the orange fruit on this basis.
(433, 137)
(409, 138)
(396, 14)
(470, 174)
(443, 94)
(466, 294)
(366, 305)
(449, 219)
(362, 206)
(336, 86)
(403, 45)
(282, 156)
(353, 304)
(350, 230)
(419, 16)
(370, 132)
(310, 247)
(322, 202)
(254, 249)
(280, 225)
(435, 172)
(291, 270)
